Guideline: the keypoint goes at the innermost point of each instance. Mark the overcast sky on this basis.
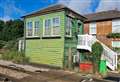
(14, 9)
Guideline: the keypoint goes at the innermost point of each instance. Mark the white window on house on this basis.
(92, 28)
(115, 43)
(36, 28)
(52, 27)
(56, 26)
(29, 29)
(116, 26)
(47, 28)
(68, 27)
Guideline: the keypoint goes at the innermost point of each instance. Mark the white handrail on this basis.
(86, 41)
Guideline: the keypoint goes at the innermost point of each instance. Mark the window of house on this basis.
(92, 28)
(36, 28)
(116, 26)
(29, 30)
(115, 43)
(56, 26)
(68, 27)
(47, 29)
(52, 27)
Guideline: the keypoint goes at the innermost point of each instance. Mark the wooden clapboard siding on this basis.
(86, 28)
(104, 27)
(49, 51)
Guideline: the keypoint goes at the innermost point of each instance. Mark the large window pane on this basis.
(92, 28)
(56, 26)
(29, 29)
(47, 30)
(37, 28)
(68, 26)
(116, 26)
(115, 43)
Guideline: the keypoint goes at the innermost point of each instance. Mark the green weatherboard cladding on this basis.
(46, 51)
(53, 51)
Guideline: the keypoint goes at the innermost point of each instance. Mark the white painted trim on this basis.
(92, 24)
(115, 22)
(51, 21)
(118, 46)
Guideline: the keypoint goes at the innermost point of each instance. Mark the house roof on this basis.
(53, 8)
(104, 15)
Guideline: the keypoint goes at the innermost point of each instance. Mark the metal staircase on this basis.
(85, 43)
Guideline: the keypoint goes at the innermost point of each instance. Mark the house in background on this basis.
(51, 35)
(101, 24)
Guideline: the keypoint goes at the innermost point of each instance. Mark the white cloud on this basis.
(9, 8)
(5, 18)
(80, 6)
(108, 5)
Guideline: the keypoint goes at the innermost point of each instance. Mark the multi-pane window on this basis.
(92, 28)
(32, 29)
(116, 26)
(68, 27)
(115, 43)
(52, 27)
(36, 28)
(56, 26)
(29, 29)
(47, 30)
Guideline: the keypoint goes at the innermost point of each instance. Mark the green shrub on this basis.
(113, 35)
(15, 56)
(97, 50)
(2, 43)
(11, 45)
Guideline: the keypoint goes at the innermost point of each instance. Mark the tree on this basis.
(1, 25)
(12, 30)
(97, 50)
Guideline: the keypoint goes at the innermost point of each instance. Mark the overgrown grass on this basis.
(15, 56)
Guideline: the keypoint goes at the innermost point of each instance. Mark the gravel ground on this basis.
(20, 73)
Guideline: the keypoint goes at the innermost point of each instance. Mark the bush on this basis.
(97, 50)
(11, 45)
(15, 56)
(2, 44)
(113, 35)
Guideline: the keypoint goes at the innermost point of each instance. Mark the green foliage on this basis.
(97, 50)
(2, 44)
(113, 35)
(15, 56)
(116, 49)
(11, 45)
(2, 24)
(11, 30)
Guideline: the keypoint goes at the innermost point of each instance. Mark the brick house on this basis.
(101, 24)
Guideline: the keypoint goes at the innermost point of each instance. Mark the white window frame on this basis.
(34, 29)
(117, 46)
(27, 29)
(44, 27)
(51, 21)
(58, 26)
(116, 24)
(91, 26)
